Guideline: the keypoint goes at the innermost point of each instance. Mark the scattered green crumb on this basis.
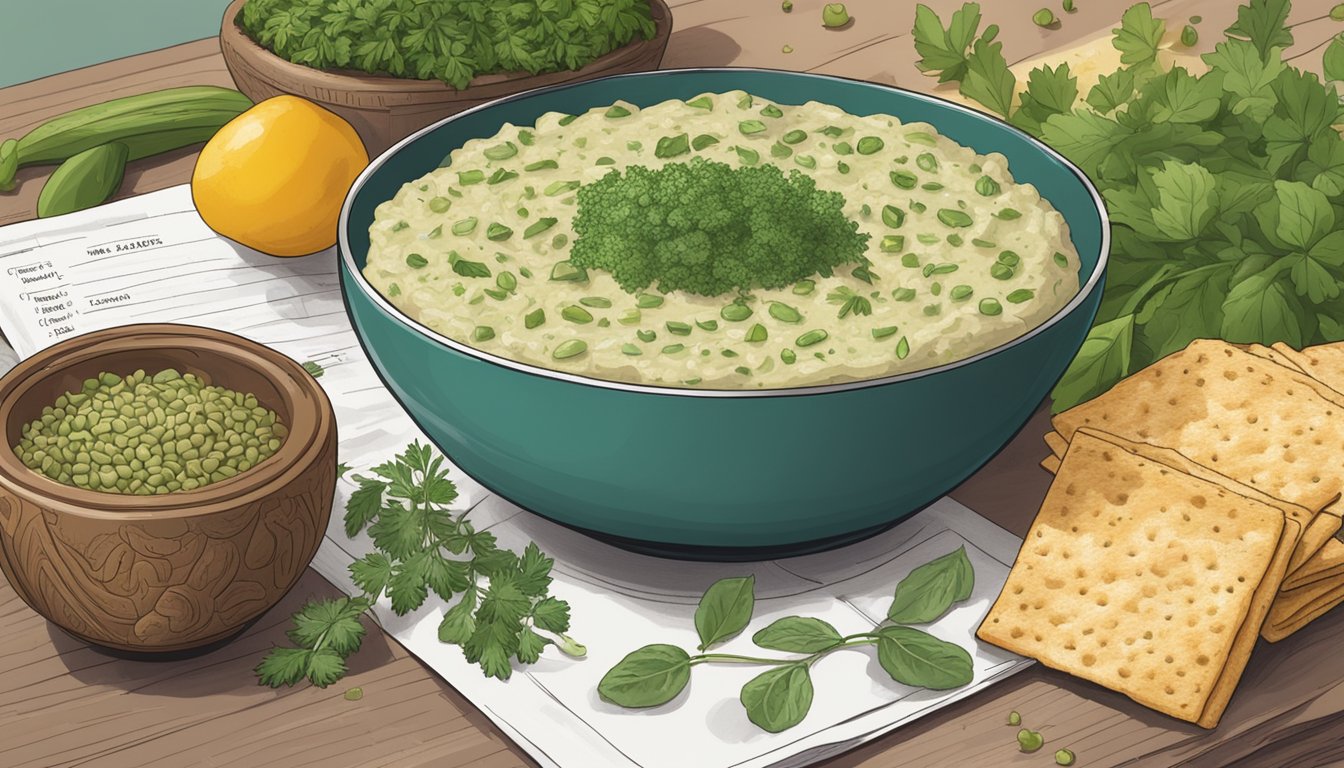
(1064, 757)
(787, 48)
(1337, 13)
(1014, 718)
(1069, 7)
(1029, 740)
(786, 6)
(1189, 36)
(1043, 18)
(313, 369)
(357, 693)
(834, 15)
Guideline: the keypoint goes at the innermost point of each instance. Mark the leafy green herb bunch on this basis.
(1225, 188)
(448, 40)
(501, 607)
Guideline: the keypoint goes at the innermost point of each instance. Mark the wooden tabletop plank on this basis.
(62, 703)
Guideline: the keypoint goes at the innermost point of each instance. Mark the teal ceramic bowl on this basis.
(717, 473)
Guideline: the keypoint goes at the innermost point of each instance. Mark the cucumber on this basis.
(86, 179)
(147, 124)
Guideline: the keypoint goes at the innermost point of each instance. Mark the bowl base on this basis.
(732, 554)
(174, 655)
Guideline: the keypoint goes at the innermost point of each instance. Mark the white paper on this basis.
(152, 259)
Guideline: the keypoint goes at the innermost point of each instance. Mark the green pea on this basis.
(678, 328)
(440, 204)
(807, 161)
(954, 218)
(772, 111)
(903, 294)
(843, 148)
(892, 243)
(961, 292)
(534, 318)
(707, 325)
(616, 111)
(794, 136)
(1020, 295)
(990, 307)
(757, 332)
(702, 141)
(501, 151)
(926, 161)
(595, 301)
(701, 102)
(750, 127)
(987, 186)
(904, 179)
(882, 333)
(631, 349)
(506, 281)
(804, 287)
(498, 232)
(541, 165)
(788, 356)
(571, 348)
(785, 313)
(646, 336)
(672, 146)
(735, 312)
(672, 349)
(576, 314)
(648, 301)
(1043, 18)
(869, 145)
(892, 216)
(1000, 271)
(815, 336)
(482, 333)
(465, 226)
(565, 271)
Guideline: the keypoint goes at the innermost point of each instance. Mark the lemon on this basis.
(274, 177)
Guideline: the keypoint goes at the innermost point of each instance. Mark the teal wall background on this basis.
(43, 37)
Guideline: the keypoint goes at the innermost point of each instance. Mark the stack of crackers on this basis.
(1193, 509)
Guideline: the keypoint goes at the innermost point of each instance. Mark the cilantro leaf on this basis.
(447, 577)
(1186, 99)
(503, 602)
(1111, 91)
(492, 645)
(1264, 24)
(409, 585)
(459, 622)
(530, 646)
(988, 79)
(1261, 310)
(1305, 109)
(329, 624)
(1247, 76)
(534, 571)
(1138, 35)
(1311, 279)
(1187, 200)
(325, 667)
(1302, 215)
(1084, 137)
(1191, 309)
(363, 505)
(283, 666)
(1103, 359)
(1333, 60)
(1049, 92)
(943, 51)
(551, 615)
(371, 573)
(1324, 166)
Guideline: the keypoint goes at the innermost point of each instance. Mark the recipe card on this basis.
(152, 259)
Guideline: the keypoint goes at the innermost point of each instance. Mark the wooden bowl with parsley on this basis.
(395, 66)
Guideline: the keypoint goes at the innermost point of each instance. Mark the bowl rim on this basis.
(309, 428)
(351, 274)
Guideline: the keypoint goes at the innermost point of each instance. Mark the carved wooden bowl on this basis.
(175, 571)
(385, 109)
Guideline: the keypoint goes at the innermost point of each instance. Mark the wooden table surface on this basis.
(64, 704)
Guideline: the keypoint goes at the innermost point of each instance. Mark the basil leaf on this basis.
(916, 658)
(647, 677)
(725, 609)
(778, 699)
(798, 634)
(932, 588)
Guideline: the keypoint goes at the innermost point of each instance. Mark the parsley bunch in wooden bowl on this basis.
(390, 67)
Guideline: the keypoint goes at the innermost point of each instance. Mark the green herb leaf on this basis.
(1261, 310)
(988, 79)
(363, 505)
(459, 622)
(798, 634)
(647, 677)
(1103, 360)
(916, 658)
(944, 51)
(930, 590)
(778, 699)
(1264, 24)
(283, 666)
(1138, 35)
(725, 609)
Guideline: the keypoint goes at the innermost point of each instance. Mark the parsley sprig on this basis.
(1224, 189)
(503, 610)
(449, 41)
